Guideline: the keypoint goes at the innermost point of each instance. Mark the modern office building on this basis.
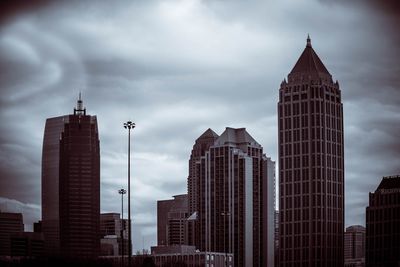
(50, 183)
(354, 246)
(235, 198)
(71, 185)
(79, 185)
(172, 217)
(10, 224)
(311, 166)
(202, 144)
(383, 224)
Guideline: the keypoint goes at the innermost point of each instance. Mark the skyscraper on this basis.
(50, 183)
(354, 246)
(71, 184)
(311, 165)
(383, 224)
(202, 144)
(235, 198)
(171, 221)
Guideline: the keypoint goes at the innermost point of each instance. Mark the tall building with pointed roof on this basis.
(235, 199)
(71, 185)
(311, 165)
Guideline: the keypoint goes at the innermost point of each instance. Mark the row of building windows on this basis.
(302, 201)
(316, 147)
(317, 123)
(309, 107)
(318, 174)
(318, 160)
(315, 133)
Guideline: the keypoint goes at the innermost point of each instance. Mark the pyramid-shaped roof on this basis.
(309, 62)
(236, 136)
(208, 134)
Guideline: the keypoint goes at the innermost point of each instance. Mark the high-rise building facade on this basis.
(202, 144)
(172, 217)
(80, 185)
(383, 224)
(235, 199)
(50, 183)
(311, 166)
(71, 185)
(354, 246)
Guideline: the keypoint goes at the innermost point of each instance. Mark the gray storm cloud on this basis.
(177, 68)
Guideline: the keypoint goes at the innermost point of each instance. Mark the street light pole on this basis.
(129, 125)
(122, 192)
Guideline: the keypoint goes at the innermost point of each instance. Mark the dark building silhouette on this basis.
(37, 227)
(234, 205)
(71, 185)
(27, 244)
(171, 221)
(354, 246)
(311, 165)
(50, 183)
(383, 224)
(80, 185)
(10, 224)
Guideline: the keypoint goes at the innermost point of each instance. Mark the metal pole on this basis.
(122, 230)
(129, 199)
(122, 192)
(129, 125)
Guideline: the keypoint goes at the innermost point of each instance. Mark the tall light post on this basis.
(129, 125)
(122, 192)
(226, 215)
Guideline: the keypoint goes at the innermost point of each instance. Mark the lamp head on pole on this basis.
(129, 125)
(122, 191)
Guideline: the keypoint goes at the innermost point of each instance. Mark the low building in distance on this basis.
(10, 224)
(113, 231)
(183, 255)
(383, 224)
(354, 246)
(171, 220)
(27, 244)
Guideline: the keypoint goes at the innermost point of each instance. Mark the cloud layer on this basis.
(177, 68)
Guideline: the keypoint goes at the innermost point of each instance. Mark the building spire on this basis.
(308, 41)
(79, 110)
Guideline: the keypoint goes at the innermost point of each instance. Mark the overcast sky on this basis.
(176, 68)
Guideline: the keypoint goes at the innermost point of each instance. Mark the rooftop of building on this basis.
(236, 136)
(309, 62)
(353, 228)
(209, 133)
(390, 182)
